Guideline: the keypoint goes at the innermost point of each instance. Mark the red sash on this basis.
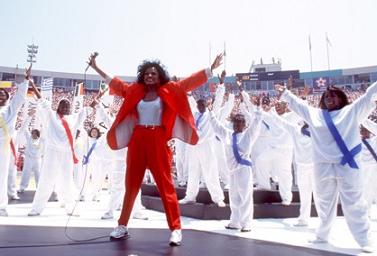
(13, 149)
(70, 138)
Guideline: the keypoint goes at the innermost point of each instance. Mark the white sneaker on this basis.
(182, 184)
(367, 249)
(107, 216)
(139, 216)
(318, 240)
(33, 213)
(301, 223)
(221, 204)
(3, 213)
(186, 201)
(175, 238)
(119, 232)
(286, 202)
(14, 197)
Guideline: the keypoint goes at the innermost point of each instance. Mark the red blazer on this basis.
(177, 118)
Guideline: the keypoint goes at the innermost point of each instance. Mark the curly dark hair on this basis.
(162, 72)
(6, 93)
(337, 91)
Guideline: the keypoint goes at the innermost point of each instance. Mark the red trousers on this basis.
(148, 149)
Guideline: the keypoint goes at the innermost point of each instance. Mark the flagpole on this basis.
(311, 57)
(328, 54)
(209, 53)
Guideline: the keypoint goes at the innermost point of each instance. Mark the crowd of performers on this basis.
(229, 142)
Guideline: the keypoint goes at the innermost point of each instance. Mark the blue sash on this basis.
(265, 124)
(305, 131)
(86, 157)
(348, 155)
(198, 120)
(236, 154)
(369, 147)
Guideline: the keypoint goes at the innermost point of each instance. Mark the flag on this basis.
(46, 88)
(78, 99)
(5, 84)
(79, 89)
(328, 40)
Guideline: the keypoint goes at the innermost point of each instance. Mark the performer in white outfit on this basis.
(238, 148)
(222, 110)
(59, 156)
(303, 153)
(8, 116)
(334, 129)
(272, 155)
(201, 160)
(33, 157)
(369, 161)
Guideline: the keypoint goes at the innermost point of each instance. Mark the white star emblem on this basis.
(321, 82)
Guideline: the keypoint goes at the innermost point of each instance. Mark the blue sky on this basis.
(180, 33)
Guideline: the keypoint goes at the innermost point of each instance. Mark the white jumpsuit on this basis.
(241, 178)
(332, 179)
(7, 126)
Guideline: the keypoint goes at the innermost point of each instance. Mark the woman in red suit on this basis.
(154, 111)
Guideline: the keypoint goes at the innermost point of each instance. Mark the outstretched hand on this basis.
(217, 62)
(92, 60)
(222, 77)
(280, 89)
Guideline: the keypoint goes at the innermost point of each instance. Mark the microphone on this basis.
(95, 54)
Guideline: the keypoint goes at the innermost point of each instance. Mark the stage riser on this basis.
(260, 196)
(267, 204)
(212, 212)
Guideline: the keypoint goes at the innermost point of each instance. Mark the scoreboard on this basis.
(268, 76)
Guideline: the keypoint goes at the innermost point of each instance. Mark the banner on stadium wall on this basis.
(320, 84)
(5, 84)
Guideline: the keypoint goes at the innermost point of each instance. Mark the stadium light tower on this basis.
(32, 50)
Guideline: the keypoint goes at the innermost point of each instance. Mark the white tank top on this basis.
(150, 112)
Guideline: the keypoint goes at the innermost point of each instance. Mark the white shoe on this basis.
(33, 213)
(107, 216)
(139, 216)
(21, 190)
(301, 223)
(186, 201)
(14, 197)
(175, 238)
(182, 184)
(221, 204)
(318, 240)
(367, 249)
(286, 202)
(119, 232)
(3, 213)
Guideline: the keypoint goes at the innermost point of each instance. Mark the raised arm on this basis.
(370, 125)
(197, 79)
(117, 86)
(363, 106)
(295, 104)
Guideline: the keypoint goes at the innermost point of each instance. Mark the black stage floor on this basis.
(40, 241)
